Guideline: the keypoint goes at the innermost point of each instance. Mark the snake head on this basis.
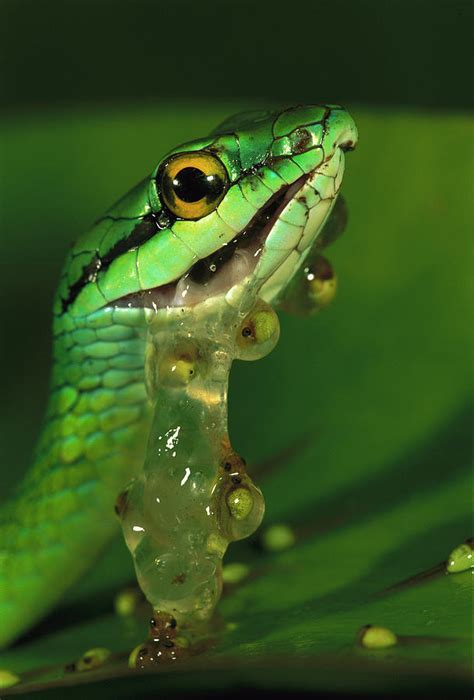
(242, 205)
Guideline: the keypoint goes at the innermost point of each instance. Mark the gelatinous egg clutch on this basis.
(193, 496)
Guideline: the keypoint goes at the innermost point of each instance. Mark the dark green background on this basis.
(399, 52)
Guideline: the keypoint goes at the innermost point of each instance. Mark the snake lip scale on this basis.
(219, 271)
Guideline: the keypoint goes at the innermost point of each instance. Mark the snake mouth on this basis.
(224, 268)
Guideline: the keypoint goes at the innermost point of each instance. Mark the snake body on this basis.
(261, 186)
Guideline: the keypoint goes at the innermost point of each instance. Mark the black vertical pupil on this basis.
(191, 185)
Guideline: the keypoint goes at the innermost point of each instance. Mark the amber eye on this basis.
(193, 184)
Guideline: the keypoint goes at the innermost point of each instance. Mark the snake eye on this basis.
(193, 184)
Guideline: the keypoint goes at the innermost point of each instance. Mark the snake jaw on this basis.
(315, 199)
(269, 248)
(272, 246)
(225, 268)
(138, 256)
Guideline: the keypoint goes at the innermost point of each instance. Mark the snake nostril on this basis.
(302, 139)
(347, 146)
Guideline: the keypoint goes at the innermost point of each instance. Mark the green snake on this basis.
(245, 203)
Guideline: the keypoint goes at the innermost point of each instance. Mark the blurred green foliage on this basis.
(379, 384)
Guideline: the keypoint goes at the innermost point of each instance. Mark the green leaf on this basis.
(373, 394)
